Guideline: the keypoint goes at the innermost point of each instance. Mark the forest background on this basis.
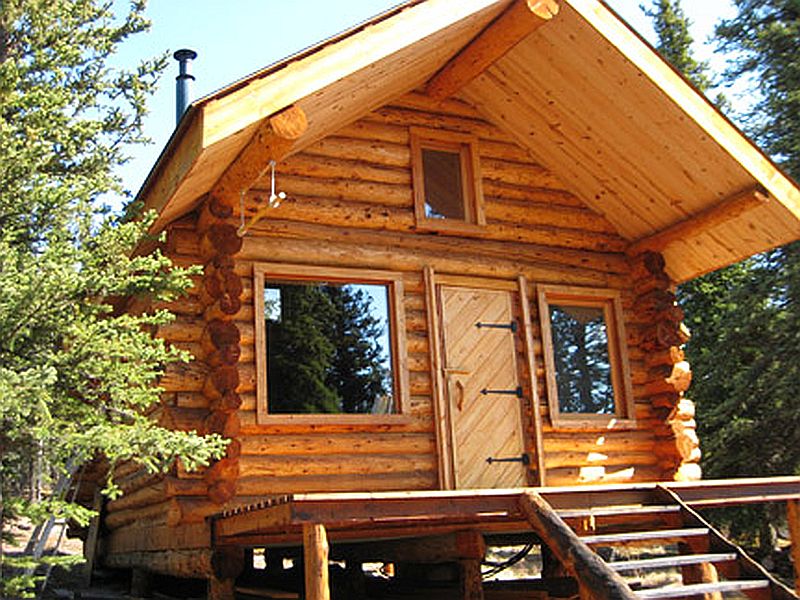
(75, 370)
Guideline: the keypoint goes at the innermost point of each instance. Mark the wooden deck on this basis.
(354, 517)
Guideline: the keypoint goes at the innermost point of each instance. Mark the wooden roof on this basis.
(582, 92)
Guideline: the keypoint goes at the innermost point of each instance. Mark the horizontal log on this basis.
(555, 460)
(539, 213)
(368, 151)
(147, 538)
(383, 255)
(343, 465)
(349, 443)
(567, 476)
(190, 510)
(183, 419)
(400, 115)
(308, 165)
(138, 514)
(337, 189)
(406, 424)
(176, 563)
(168, 487)
(480, 248)
(383, 482)
(323, 211)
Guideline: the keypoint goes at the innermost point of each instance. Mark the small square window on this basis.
(447, 193)
(585, 356)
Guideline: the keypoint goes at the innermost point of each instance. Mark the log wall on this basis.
(350, 204)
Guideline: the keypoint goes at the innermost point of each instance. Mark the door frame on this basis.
(442, 418)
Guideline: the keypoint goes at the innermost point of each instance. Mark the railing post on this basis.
(315, 553)
(793, 518)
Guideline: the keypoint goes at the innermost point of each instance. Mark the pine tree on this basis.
(357, 371)
(745, 319)
(76, 374)
(324, 354)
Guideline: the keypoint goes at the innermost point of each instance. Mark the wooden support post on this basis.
(90, 545)
(141, 583)
(701, 573)
(471, 581)
(315, 554)
(793, 517)
(220, 589)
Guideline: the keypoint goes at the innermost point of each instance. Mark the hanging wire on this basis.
(499, 567)
(273, 202)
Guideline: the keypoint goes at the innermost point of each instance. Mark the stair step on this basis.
(696, 589)
(632, 537)
(663, 562)
(613, 511)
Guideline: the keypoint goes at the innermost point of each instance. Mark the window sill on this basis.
(332, 419)
(593, 422)
(450, 227)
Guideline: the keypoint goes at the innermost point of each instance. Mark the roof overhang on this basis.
(590, 99)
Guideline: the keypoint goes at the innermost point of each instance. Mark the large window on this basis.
(447, 190)
(585, 357)
(328, 342)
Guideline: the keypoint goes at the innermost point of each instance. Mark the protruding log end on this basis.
(290, 123)
(544, 9)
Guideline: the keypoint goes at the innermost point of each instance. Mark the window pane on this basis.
(328, 348)
(583, 368)
(443, 187)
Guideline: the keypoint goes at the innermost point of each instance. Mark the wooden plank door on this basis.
(480, 375)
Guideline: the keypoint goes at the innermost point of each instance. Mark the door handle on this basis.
(455, 389)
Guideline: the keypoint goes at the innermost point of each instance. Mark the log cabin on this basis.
(505, 195)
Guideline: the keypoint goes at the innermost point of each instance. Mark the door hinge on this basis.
(512, 326)
(515, 392)
(522, 458)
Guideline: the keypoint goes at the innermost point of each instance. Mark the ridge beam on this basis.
(499, 37)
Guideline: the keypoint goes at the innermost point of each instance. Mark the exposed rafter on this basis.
(726, 210)
(510, 28)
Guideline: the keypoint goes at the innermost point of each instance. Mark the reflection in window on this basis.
(328, 348)
(444, 197)
(581, 357)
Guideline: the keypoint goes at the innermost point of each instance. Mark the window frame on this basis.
(466, 146)
(397, 339)
(611, 304)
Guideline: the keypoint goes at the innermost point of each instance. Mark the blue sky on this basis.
(234, 38)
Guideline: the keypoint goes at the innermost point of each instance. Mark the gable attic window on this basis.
(328, 344)
(446, 171)
(588, 379)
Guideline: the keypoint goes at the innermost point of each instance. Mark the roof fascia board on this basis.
(284, 86)
(695, 104)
